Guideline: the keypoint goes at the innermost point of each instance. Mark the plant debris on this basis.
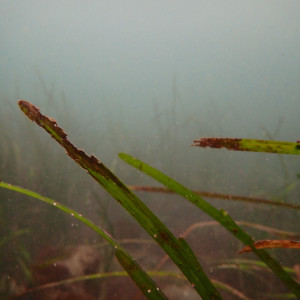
(249, 145)
(262, 244)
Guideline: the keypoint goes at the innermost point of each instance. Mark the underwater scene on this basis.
(149, 150)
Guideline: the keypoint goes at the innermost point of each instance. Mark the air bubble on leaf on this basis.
(149, 291)
(54, 203)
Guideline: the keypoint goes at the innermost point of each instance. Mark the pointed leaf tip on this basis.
(30, 110)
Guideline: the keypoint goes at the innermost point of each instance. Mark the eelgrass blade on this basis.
(248, 264)
(270, 230)
(145, 280)
(148, 291)
(250, 145)
(64, 208)
(223, 286)
(140, 212)
(263, 244)
(138, 276)
(155, 189)
(219, 215)
(98, 276)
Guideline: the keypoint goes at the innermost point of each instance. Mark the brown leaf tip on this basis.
(31, 111)
(229, 143)
(262, 244)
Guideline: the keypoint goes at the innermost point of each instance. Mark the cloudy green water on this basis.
(148, 78)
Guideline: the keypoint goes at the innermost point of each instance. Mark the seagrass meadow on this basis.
(149, 150)
(56, 274)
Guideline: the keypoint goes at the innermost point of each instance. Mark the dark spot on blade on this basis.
(229, 143)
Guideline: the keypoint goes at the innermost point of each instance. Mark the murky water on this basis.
(147, 79)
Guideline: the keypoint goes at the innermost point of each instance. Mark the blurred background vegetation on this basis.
(147, 80)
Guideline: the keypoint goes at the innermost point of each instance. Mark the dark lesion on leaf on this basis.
(33, 113)
(50, 125)
(229, 143)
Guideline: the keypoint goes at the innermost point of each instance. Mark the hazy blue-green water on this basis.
(147, 78)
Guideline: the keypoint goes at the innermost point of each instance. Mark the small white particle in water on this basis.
(157, 289)
(155, 235)
(149, 291)
(80, 215)
(72, 224)
(116, 247)
(54, 203)
(72, 214)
